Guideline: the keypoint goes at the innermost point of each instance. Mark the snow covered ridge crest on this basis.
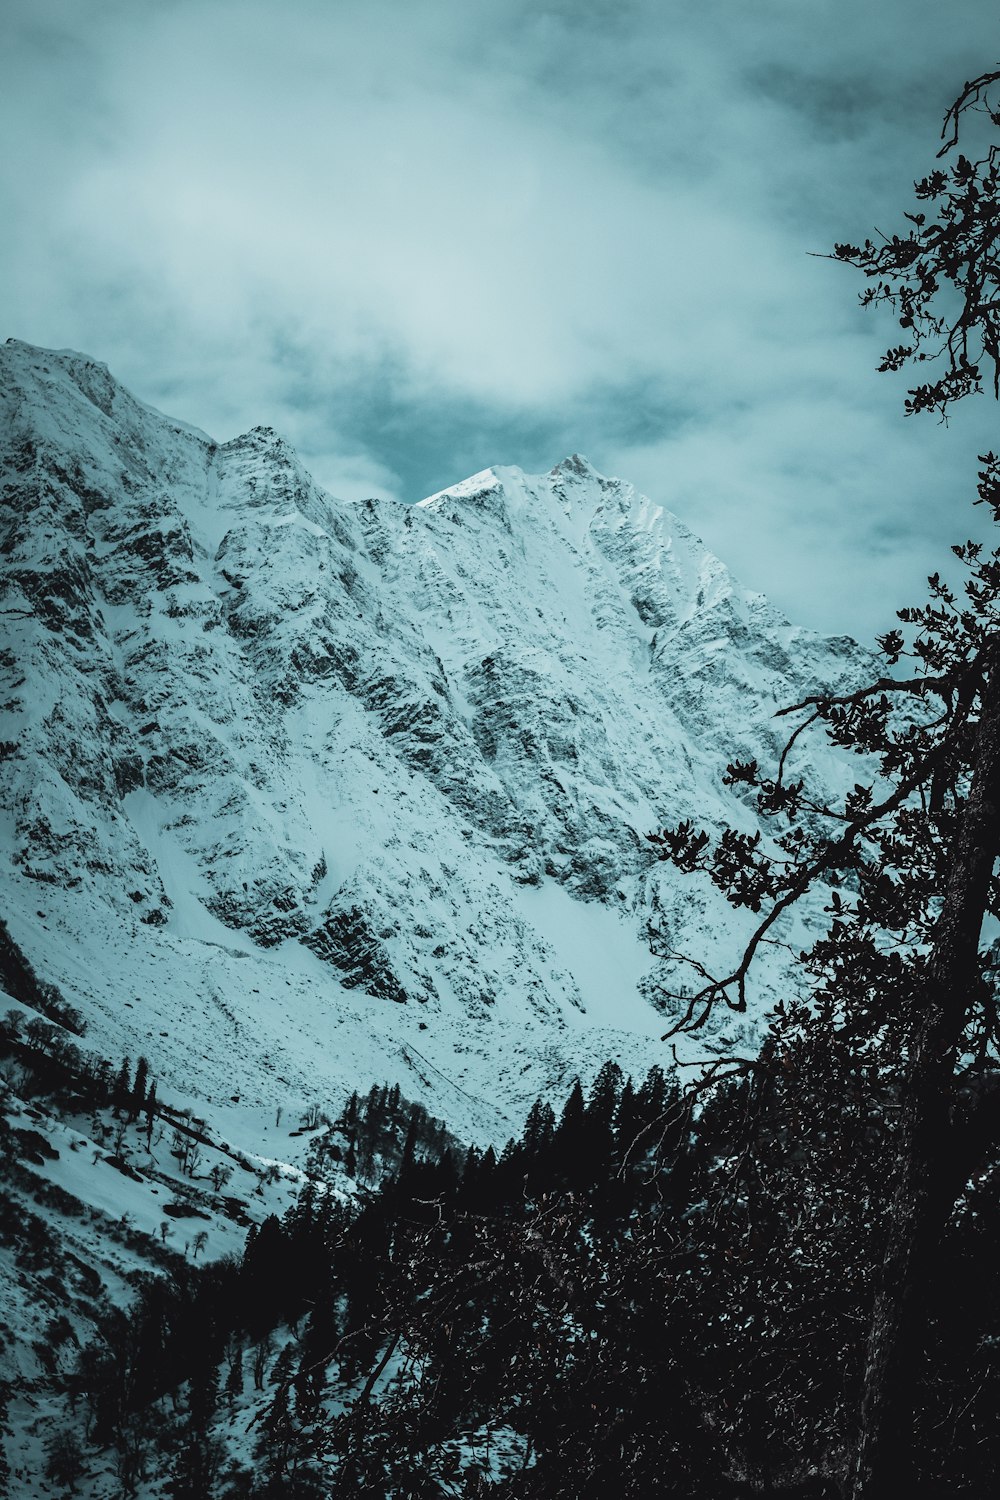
(298, 794)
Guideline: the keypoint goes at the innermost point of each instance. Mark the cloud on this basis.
(420, 239)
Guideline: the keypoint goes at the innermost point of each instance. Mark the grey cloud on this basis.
(420, 239)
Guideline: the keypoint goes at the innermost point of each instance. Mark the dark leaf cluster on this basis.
(941, 279)
(883, 850)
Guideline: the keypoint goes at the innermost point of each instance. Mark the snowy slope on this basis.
(298, 794)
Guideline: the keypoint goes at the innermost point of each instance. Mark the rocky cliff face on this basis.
(299, 793)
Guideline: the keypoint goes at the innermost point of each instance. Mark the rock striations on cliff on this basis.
(298, 793)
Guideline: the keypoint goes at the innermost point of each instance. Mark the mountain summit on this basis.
(301, 793)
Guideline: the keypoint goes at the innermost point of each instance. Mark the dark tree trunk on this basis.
(927, 1175)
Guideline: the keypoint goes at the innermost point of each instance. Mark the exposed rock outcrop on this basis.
(369, 767)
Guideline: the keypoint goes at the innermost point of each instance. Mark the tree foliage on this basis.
(676, 1310)
(941, 278)
(884, 850)
(904, 988)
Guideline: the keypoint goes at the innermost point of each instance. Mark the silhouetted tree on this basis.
(139, 1087)
(4, 1433)
(950, 249)
(910, 854)
(121, 1092)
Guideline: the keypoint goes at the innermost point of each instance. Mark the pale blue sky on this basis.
(421, 238)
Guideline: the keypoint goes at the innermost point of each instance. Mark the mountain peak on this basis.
(505, 485)
(324, 785)
(576, 465)
(42, 355)
(476, 487)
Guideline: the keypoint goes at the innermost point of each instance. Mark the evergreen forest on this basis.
(634, 1298)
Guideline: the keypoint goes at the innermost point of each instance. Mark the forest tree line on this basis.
(631, 1298)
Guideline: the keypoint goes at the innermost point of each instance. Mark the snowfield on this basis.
(299, 793)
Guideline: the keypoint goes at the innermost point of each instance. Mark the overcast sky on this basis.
(420, 237)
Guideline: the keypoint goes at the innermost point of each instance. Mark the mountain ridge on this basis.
(396, 760)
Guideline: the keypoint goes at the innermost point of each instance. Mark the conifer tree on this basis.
(5, 1392)
(626, 1120)
(539, 1128)
(569, 1143)
(150, 1108)
(201, 1455)
(409, 1148)
(121, 1091)
(138, 1091)
(234, 1375)
(598, 1117)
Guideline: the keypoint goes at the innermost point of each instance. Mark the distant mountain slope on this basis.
(298, 794)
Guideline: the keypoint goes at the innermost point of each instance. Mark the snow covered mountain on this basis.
(299, 794)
